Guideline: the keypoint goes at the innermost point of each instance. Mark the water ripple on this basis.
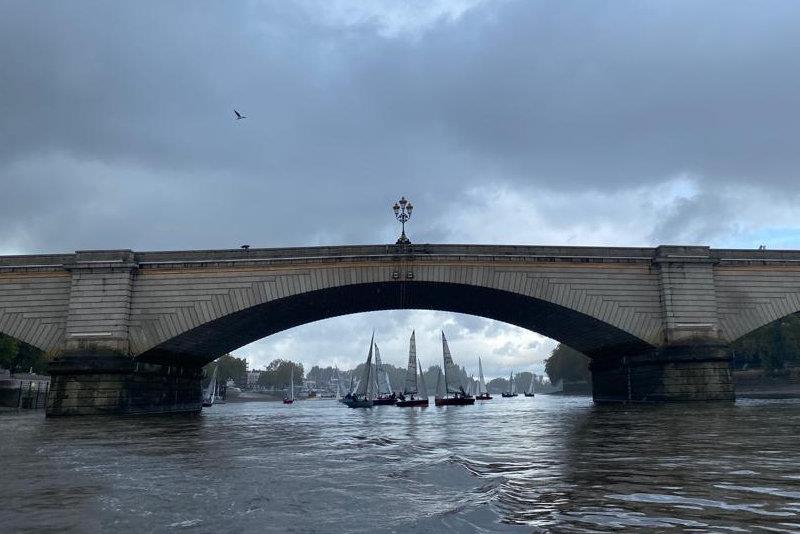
(517, 465)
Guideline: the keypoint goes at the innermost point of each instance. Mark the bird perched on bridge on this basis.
(239, 116)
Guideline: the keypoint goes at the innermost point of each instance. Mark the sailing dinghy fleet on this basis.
(374, 388)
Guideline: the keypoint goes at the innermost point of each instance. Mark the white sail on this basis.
(411, 386)
(450, 371)
(365, 385)
(482, 384)
(373, 378)
(383, 386)
(513, 388)
(338, 383)
(423, 388)
(440, 388)
(210, 394)
(530, 387)
(386, 378)
(472, 386)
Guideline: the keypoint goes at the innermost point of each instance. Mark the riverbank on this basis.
(757, 384)
(24, 391)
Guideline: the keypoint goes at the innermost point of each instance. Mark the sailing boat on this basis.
(459, 396)
(382, 386)
(362, 396)
(530, 393)
(350, 390)
(415, 385)
(512, 390)
(210, 395)
(483, 393)
(290, 398)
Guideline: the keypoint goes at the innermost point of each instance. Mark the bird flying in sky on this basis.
(239, 116)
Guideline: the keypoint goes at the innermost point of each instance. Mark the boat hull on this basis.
(455, 401)
(483, 397)
(530, 394)
(359, 403)
(388, 401)
(509, 395)
(288, 401)
(412, 403)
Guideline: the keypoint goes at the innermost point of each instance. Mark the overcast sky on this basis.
(532, 122)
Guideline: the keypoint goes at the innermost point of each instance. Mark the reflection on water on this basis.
(519, 465)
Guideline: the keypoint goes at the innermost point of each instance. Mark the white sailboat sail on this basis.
(373, 378)
(450, 371)
(440, 387)
(513, 384)
(530, 386)
(423, 388)
(472, 388)
(210, 394)
(482, 383)
(338, 383)
(365, 388)
(384, 387)
(411, 386)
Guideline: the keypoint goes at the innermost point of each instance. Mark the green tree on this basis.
(20, 357)
(8, 351)
(567, 364)
(278, 374)
(772, 347)
(229, 366)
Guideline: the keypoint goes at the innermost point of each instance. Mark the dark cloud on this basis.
(343, 118)
(622, 123)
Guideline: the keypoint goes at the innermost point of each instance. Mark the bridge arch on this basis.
(131, 329)
(208, 340)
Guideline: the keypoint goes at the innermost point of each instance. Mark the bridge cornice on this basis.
(458, 251)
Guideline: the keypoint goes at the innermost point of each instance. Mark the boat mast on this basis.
(448, 363)
(411, 386)
(291, 385)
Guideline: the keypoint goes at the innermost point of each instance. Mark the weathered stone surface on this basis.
(671, 374)
(105, 384)
(614, 304)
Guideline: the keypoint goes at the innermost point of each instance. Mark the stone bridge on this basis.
(129, 331)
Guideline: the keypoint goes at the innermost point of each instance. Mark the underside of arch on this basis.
(582, 332)
(755, 326)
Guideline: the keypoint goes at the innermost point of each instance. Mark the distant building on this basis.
(252, 378)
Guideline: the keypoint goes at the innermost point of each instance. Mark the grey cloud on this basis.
(116, 124)
(343, 118)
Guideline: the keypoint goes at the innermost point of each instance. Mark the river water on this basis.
(548, 464)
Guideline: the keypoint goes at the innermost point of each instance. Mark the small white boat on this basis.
(210, 394)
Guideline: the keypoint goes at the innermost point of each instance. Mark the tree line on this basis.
(19, 357)
(772, 348)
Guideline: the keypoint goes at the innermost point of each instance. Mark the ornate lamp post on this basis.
(402, 211)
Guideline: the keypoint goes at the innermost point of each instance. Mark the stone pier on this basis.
(670, 374)
(105, 384)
